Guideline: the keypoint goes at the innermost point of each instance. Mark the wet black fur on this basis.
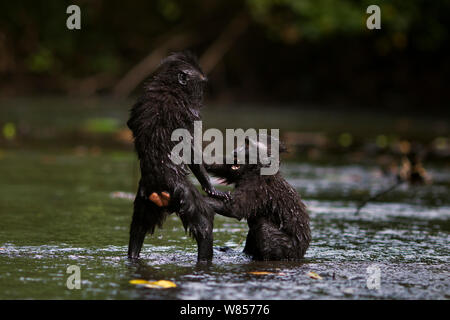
(171, 100)
(277, 218)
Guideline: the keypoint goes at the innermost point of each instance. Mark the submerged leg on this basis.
(146, 216)
(265, 241)
(197, 217)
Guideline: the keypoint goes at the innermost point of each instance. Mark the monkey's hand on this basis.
(214, 193)
(202, 176)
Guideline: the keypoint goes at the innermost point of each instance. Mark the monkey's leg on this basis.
(146, 216)
(204, 240)
(138, 229)
(163, 199)
(201, 229)
(197, 217)
(265, 241)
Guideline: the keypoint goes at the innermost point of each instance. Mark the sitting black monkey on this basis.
(171, 100)
(277, 218)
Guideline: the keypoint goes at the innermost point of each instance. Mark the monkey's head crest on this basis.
(185, 57)
(181, 71)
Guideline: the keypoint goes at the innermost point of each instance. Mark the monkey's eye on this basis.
(234, 167)
(182, 78)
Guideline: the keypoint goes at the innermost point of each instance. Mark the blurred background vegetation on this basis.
(288, 51)
(309, 67)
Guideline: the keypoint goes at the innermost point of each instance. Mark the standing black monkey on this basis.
(171, 100)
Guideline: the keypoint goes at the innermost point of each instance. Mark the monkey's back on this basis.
(277, 218)
(153, 119)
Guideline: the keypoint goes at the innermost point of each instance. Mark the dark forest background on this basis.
(262, 51)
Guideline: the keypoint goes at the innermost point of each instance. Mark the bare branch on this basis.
(220, 47)
(146, 66)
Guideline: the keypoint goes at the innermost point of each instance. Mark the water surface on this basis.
(60, 208)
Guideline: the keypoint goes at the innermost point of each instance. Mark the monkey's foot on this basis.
(160, 200)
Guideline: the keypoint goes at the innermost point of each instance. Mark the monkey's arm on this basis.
(224, 208)
(202, 176)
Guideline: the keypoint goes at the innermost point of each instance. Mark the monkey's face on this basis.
(231, 173)
(192, 81)
(242, 167)
(181, 70)
(236, 171)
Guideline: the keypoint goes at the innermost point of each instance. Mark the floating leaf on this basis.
(314, 275)
(138, 281)
(160, 284)
(259, 273)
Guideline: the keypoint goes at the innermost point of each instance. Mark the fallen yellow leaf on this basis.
(138, 281)
(258, 273)
(314, 275)
(160, 284)
(163, 284)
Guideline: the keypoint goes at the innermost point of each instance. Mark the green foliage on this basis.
(170, 9)
(115, 35)
(101, 125)
(345, 139)
(313, 19)
(310, 19)
(9, 131)
(40, 61)
(292, 20)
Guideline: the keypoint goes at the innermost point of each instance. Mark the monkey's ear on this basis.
(182, 78)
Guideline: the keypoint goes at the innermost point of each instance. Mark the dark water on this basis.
(58, 209)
